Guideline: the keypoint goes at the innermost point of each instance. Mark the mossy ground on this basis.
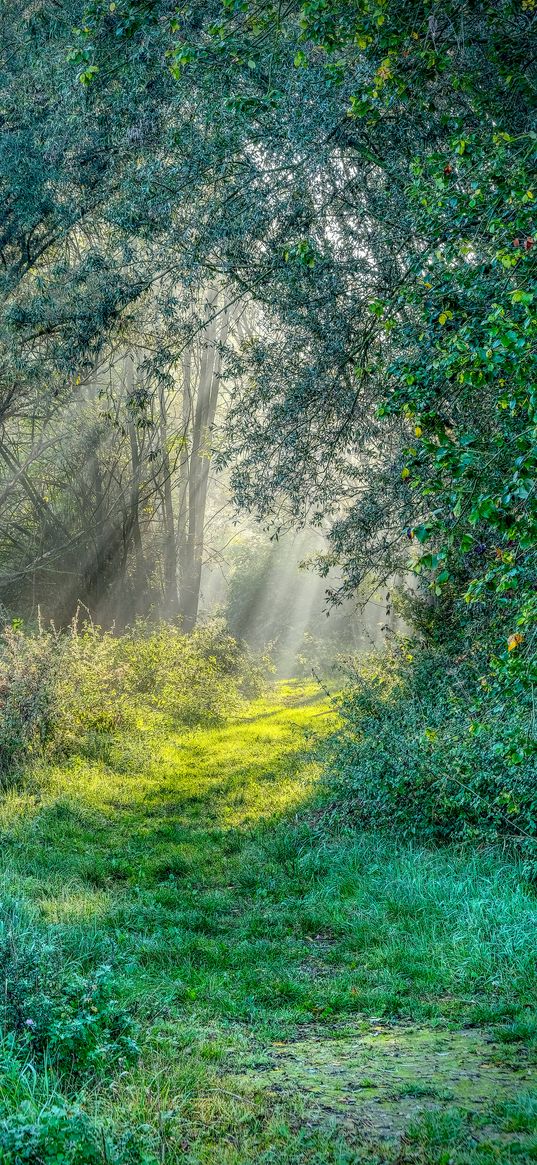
(382, 1075)
(306, 993)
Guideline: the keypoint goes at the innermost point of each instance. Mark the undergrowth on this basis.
(429, 748)
(61, 692)
(185, 884)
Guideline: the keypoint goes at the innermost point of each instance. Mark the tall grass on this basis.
(57, 690)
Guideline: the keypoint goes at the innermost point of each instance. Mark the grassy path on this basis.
(303, 994)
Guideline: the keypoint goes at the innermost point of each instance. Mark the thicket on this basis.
(403, 314)
(390, 387)
(437, 742)
(375, 201)
(61, 691)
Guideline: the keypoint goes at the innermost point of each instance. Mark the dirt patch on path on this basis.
(382, 1079)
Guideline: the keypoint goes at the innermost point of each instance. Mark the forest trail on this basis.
(303, 993)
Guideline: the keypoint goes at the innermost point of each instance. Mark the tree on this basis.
(103, 501)
(322, 160)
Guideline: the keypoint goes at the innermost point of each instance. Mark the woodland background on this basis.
(267, 297)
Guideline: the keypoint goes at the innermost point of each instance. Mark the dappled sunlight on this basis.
(204, 871)
(190, 765)
(268, 520)
(95, 824)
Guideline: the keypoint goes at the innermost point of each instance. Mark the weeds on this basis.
(72, 692)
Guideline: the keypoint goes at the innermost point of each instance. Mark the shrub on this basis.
(65, 690)
(54, 1017)
(27, 679)
(192, 679)
(91, 694)
(55, 1136)
(61, 1134)
(427, 748)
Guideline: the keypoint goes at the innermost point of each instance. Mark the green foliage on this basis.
(253, 913)
(62, 1133)
(362, 171)
(443, 347)
(57, 1023)
(57, 1136)
(72, 1020)
(193, 679)
(428, 749)
(27, 676)
(465, 381)
(388, 378)
(59, 690)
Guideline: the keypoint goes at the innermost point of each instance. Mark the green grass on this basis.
(237, 914)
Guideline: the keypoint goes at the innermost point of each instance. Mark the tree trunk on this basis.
(132, 532)
(199, 462)
(171, 596)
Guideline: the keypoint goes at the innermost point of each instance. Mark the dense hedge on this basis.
(427, 748)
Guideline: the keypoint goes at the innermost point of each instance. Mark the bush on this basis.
(64, 690)
(27, 681)
(56, 1136)
(62, 1134)
(92, 691)
(60, 1029)
(429, 749)
(193, 679)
